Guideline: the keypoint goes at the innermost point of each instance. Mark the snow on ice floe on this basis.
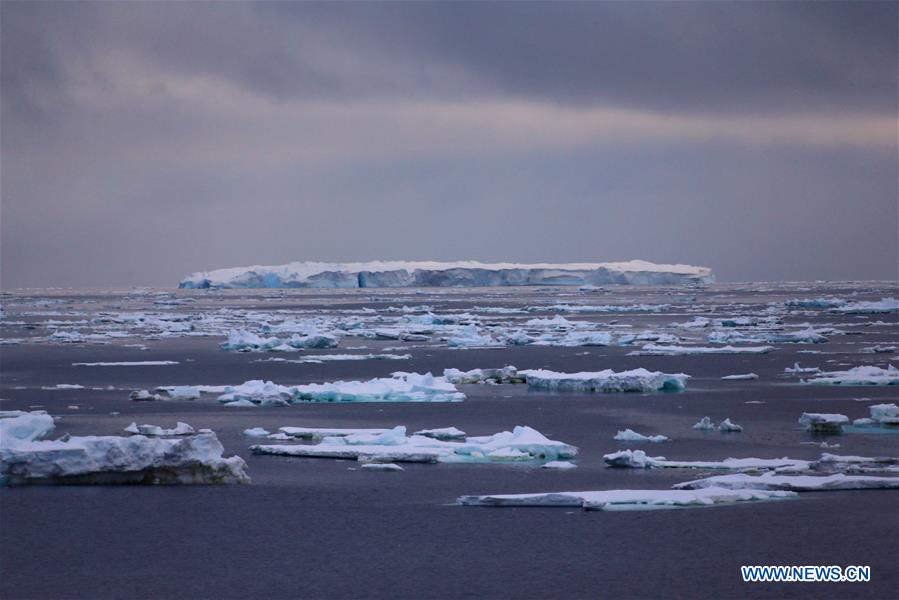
(793, 483)
(26, 459)
(636, 380)
(741, 377)
(823, 422)
(864, 375)
(623, 500)
(629, 435)
(445, 433)
(797, 369)
(402, 387)
(882, 415)
(140, 363)
(507, 374)
(155, 430)
(256, 432)
(638, 459)
(672, 350)
(559, 465)
(442, 274)
(884, 305)
(318, 433)
(393, 445)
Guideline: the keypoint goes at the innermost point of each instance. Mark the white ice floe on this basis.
(884, 305)
(815, 302)
(382, 467)
(241, 340)
(445, 433)
(430, 274)
(823, 422)
(138, 363)
(522, 443)
(879, 349)
(796, 369)
(629, 435)
(882, 415)
(864, 375)
(24, 458)
(742, 377)
(660, 350)
(508, 374)
(256, 432)
(727, 427)
(402, 387)
(322, 358)
(559, 465)
(636, 380)
(155, 430)
(804, 336)
(318, 433)
(793, 483)
(704, 424)
(623, 500)
(638, 459)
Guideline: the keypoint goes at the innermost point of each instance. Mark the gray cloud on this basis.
(141, 141)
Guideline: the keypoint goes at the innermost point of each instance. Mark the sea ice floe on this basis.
(804, 336)
(256, 432)
(636, 380)
(559, 465)
(522, 443)
(402, 387)
(741, 377)
(660, 350)
(139, 363)
(622, 500)
(793, 483)
(638, 459)
(508, 374)
(882, 415)
(727, 426)
(25, 459)
(629, 435)
(823, 422)
(885, 305)
(155, 430)
(318, 433)
(796, 369)
(241, 340)
(445, 433)
(382, 467)
(704, 424)
(322, 358)
(864, 375)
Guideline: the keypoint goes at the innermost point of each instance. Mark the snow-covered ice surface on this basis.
(629, 435)
(864, 375)
(626, 500)
(443, 274)
(635, 380)
(340, 510)
(794, 483)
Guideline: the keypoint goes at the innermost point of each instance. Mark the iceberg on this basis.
(636, 380)
(741, 377)
(704, 424)
(726, 426)
(622, 500)
(865, 375)
(155, 430)
(823, 422)
(444, 274)
(629, 435)
(392, 445)
(660, 350)
(882, 415)
(26, 459)
(793, 483)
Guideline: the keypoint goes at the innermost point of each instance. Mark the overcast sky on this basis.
(141, 142)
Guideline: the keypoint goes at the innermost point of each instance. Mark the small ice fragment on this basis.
(727, 427)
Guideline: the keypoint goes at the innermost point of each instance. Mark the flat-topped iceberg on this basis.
(638, 459)
(823, 422)
(443, 274)
(393, 445)
(402, 387)
(25, 459)
(629, 435)
(621, 500)
(636, 380)
(882, 415)
(793, 483)
(865, 375)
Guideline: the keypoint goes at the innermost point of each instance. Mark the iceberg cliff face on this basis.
(445, 274)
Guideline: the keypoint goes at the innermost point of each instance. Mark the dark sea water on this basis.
(318, 528)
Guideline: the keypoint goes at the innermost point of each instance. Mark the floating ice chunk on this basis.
(885, 413)
(462, 273)
(865, 375)
(638, 459)
(726, 426)
(797, 369)
(241, 340)
(815, 303)
(885, 305)
(879, 349)
(139, 363)
(278, 436)
(18, 426)
(446, 433)
(636, 380)
(742, 377)
(608, 308)
(559, 465)
(622, 500)
(508, 454)
(659, 350)
(391, 437)
(629, 435)
(257, 391)
(402, 387)
(184, 392)
(470, 337)
(241, 404)
(64, 386)
(317, 433)
(321, 358)
(382, 467)
(823, 422)
(704, 424)
(121, 460)
(576, 338)
(794, 483)
(696, 323)
(155, 430)
(256, 432)
(557, 322)
(508, 374)
(315, 340)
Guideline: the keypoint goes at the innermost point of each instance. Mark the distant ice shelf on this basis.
(392, 274)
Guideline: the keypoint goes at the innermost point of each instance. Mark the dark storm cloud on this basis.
(141, 141)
